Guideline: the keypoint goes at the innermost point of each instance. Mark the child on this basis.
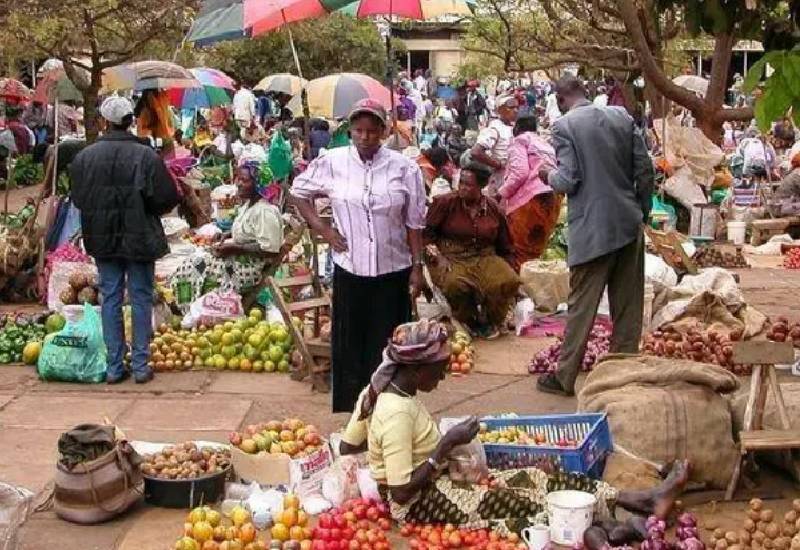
(456, 143)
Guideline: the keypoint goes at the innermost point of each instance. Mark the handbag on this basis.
(98, 489)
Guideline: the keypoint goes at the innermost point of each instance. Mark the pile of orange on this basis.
(290, 530)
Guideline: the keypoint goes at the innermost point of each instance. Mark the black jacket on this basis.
(122, 188)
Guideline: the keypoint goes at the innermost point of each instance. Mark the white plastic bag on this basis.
(524, 315)
(214, 308)
(367, 485)
(306, 474)
(684, 188)
(263, 505)
(466, 462)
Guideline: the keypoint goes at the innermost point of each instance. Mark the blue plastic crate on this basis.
(590, 430)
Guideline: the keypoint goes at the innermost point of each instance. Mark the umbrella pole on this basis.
(55, 146)
(390, 74)
(303, 96)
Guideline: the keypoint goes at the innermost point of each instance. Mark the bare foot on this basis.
(671, 489)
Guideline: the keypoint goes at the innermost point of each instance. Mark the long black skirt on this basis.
(366, 311)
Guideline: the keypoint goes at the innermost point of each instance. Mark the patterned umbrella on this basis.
(409, 9)
(14, 91)
(333, 96)
(283, 83)
(230, 19)
(55, 85)
(148, 75)
(214, 91)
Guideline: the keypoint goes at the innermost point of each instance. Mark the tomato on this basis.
(413, 543)
(360, 511)
(372, 537)
(366, 546)
(349, 516)
(372, 513)
(493, 536)
(364, 524)
(381, 535)
(325, 521)
(381, 545)
(454, 540)
(318, 544)
(339, 521)
(385, 524)
(513, 538)
(332, 545)
(406, 530)
(347, 533)
(361, 535)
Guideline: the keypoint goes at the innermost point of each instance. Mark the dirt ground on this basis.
(208, 405)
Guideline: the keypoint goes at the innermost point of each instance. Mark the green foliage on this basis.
(780, 91)
(336, 43)
(725, 16)
(26, 172)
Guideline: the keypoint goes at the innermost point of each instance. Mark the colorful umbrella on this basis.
(283, 83)
(14, 91)
(148, 75)
(229, 19)
(55, 85)
(333, 96)
(212, 93)
(409, 9)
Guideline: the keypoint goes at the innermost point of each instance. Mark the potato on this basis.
(719, 533)
(796, 505)
(756, 504)
(782, 543)
(772, 531)
(721, 544)
(759, 537)
(731, 537)
(789, 529)
(749, 525)
(797, 524)
(767, 543)
(790, 516)
(767, 515)
(744, 537)
(735, 547)
(762, 526)
(754, 515)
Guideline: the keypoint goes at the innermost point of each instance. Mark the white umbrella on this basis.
(696, 84)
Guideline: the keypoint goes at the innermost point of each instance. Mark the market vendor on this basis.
(256, 235)
(789, 187)
(469, 254)
(408, 457)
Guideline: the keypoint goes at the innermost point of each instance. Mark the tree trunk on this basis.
(658, 103)
(709, 125)
(91, 116)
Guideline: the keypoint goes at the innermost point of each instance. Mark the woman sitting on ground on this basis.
(469, 254)
(530, 204)
(408, 457)
(236, 263)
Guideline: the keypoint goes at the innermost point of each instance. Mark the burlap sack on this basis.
(664, 409)
(546, 282)
(626, 473)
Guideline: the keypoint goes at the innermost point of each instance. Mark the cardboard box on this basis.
(280, 469)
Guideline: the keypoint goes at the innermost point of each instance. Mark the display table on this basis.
(762, 230)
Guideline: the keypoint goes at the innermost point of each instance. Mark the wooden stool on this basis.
(316, 353)
(763, 355)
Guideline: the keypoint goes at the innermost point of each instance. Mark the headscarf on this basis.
(262, 177)
(412, 344)
(795, 161)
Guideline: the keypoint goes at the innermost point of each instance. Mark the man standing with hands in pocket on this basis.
(606, 173)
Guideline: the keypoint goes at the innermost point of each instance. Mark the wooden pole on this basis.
(55, 145)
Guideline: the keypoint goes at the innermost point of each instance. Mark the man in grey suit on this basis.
(607, 175)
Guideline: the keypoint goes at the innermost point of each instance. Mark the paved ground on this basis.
(208, 405)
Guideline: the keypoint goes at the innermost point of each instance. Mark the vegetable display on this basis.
(710, 256)
(428, 537)
(18, 331)
(546, 361)
(792, 259)
(781, 331)
(207, 529)
(762, 528)
(16, 221)
(360, 523)
(291, 436)
(696, 345)
(686, 532)
(185, 461)
(462, 354)
(26, 172)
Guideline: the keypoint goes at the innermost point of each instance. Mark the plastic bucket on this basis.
(736, 232)
(570, 514)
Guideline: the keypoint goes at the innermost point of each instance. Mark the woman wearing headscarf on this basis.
(236, 263)
(530, 204)
(408, 457)
(469, 254)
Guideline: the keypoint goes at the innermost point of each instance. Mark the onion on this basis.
(693, 543)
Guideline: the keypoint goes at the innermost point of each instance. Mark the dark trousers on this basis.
(366, 310)
(623, 272)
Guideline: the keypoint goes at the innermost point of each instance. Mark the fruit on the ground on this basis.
(462, 354)
(187, 543)
(517, 436)
(448, 536)
(30, 353)
(792, 259)
(782, 331)
(185, 461)
(54, 323)
(240, 515)
(290, 436)
(358, 522)
(712, 256)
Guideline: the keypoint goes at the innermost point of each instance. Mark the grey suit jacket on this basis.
(607, 174)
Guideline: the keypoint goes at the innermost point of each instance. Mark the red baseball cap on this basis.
(371, 107)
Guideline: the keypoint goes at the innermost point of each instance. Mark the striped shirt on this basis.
(374, 204)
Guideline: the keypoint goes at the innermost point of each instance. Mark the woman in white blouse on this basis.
(378, 201)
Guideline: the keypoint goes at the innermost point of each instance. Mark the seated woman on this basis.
(469, 254)
(408, 457)
(789, 188)
(530, 204)
(236, 263)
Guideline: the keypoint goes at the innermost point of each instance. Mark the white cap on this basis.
(115, 108)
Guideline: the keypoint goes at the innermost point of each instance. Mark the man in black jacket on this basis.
(122, 188)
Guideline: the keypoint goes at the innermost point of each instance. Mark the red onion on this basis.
(687, 520)
(546, 361)
(693, 543)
